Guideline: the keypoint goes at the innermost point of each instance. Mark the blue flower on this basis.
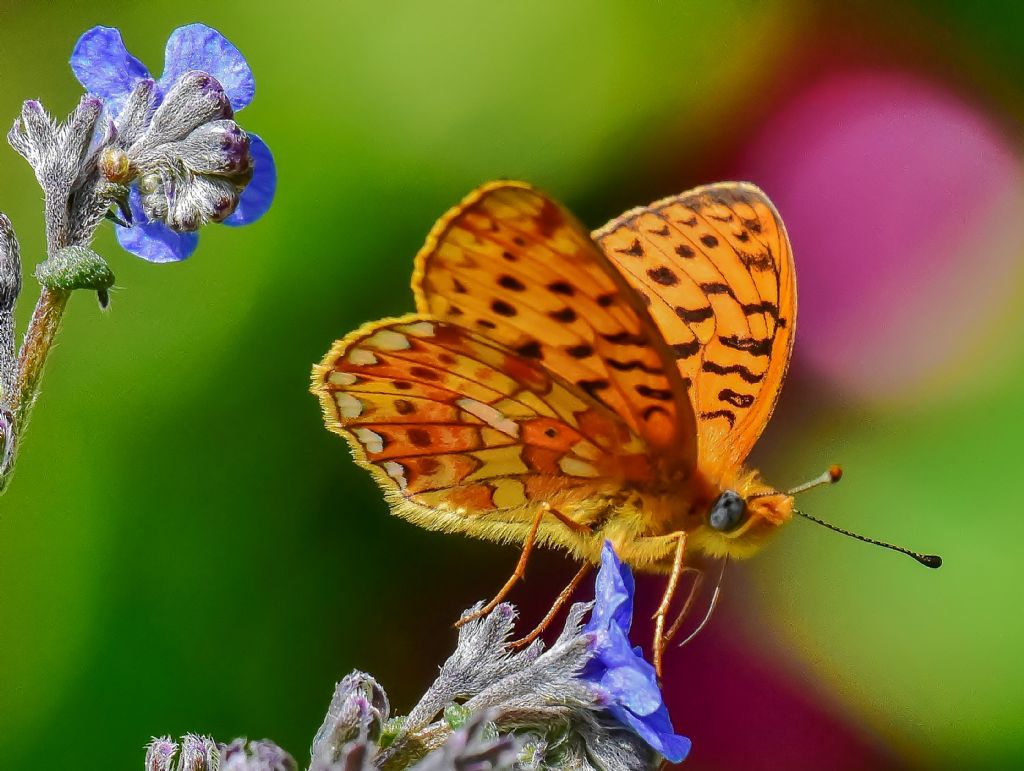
(105, 68)
(628, 681)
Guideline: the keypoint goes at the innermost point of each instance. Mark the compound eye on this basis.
(727, 512)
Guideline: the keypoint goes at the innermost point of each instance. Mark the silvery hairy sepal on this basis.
(263, 755)
(474, 747)
(201, 753)
(64, 158)
(191, 160)
(359, 708)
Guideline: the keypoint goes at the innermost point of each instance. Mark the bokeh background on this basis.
(185, 548)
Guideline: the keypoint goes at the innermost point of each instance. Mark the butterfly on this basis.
(565, 388)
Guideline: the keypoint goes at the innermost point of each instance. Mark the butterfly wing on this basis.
(453, 427)
(514, 265)
(716, 269)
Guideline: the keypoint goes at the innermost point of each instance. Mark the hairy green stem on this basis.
(39, 339)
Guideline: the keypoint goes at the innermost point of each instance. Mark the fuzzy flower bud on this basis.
(358, 710)
(256, 756)
(160, 754)
(198, 753)
(195, 99)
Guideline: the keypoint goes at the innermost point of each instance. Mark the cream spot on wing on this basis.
(508, 493)
(420, 329)
(586, 450)
(348, 405)
(493, 438)
(341, 378)
(490, 416)
(362, 357)
(535, 403)
(513, 408)
(497, 462)
(388, 340)
(371, 440)
(575, 467)
(397, 472)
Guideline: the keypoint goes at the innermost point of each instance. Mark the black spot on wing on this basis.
(728, 415)
(663, 275)
(530, 350)
(511, 282)
(661, 394)
(753, 345)
(694, 315)
(686, 350)
(716, 287)
(739, 400)
(502, 308)
(635, 249)
(580, 351)
(734, 369)
(629, 366)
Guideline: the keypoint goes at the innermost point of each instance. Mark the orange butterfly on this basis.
(567, 388)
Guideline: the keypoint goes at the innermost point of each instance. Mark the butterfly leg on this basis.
(517, 574)
(520, 570)
(707, 614)
(688, 605)
(560, 601)
(666, 601)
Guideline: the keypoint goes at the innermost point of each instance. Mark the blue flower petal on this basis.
(622, 674)
(198, 47)
(657, 733)
(259, 193)
(613, 593)
(154, 241)
(104, 67)
(638, 692)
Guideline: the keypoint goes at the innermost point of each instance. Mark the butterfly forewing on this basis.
(514, 266)
(715, 267)
(448, 420)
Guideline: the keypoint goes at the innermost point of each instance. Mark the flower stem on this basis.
(17, 403)
(42, 330)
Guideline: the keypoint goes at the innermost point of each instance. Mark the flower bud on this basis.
(217, 147)
(114, 165)
(258, 756)
(154, 199)
(198, 753)
(133, 119)
(358, 709)
(198, 200)
(160, 754)
(196, 98)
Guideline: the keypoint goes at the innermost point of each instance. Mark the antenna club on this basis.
(930, 560)
(835, 473)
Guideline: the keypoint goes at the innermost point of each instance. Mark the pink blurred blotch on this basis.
(903, 204)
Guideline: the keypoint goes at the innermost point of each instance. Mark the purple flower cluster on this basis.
(198, 59)
(627, 679)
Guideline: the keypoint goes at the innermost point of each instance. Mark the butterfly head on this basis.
(741, 517)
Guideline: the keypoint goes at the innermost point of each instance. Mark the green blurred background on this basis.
(184, 547)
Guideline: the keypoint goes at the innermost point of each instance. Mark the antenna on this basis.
(928, 560)
(829, 477)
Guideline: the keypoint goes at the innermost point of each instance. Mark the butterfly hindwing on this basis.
(715, 267)
(458, 426)
(514, 266)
